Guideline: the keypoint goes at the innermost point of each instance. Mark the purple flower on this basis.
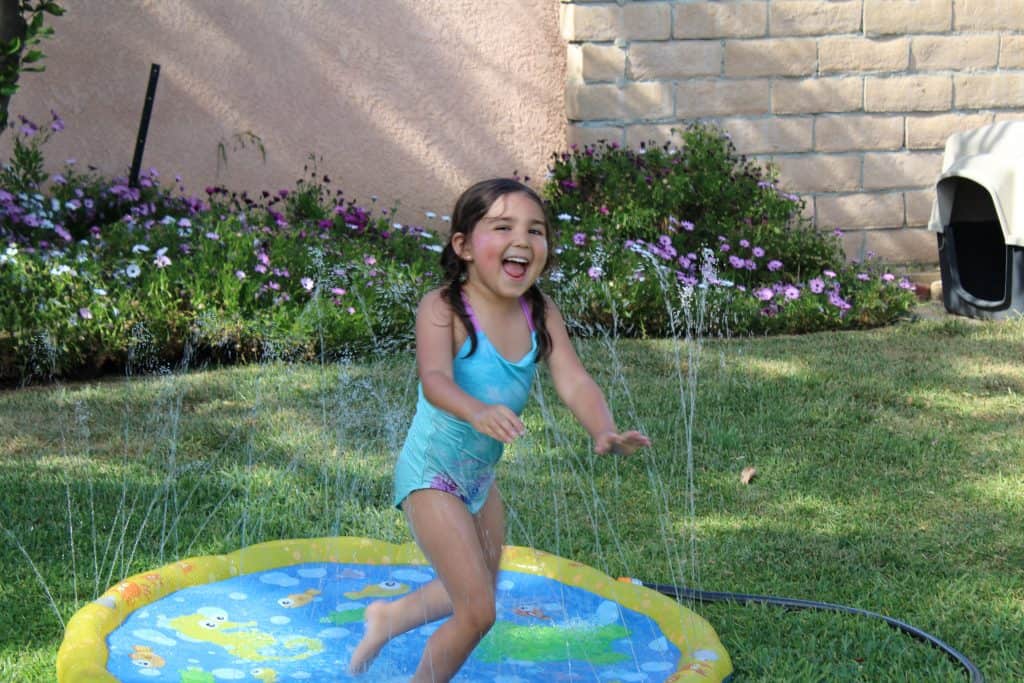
(337, 291)
(744, 243)
(369, 260)
(307, 284)
(212, 236)
(687, 226)
(62, 231)
(57, 125)
(240, 274)
(764, 294)
(595, 273)
(351, 311)
(774, 265)
(161, 260)
(85, 314)
(888, 277)
(579, 239)
(817, 285)
(735, 261)
(863, 277)
(184, 223)
(906, 284)
(689, 280)
(28, 129)
(758, 252)
(829, 273)
(838, 301)
(260, 268)
(791, 292)
(725, 247)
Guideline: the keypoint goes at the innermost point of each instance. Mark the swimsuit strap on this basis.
(523, 303)
(527, 312)
(469, 310)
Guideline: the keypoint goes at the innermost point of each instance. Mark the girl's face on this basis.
(507, 249)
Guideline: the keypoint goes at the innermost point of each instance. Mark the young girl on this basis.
(477, 340)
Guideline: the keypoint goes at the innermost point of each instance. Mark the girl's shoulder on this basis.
(435, 299)
(435, 305)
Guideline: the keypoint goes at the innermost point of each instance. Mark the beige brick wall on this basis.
(852, 100)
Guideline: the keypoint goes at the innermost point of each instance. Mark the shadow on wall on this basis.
(407, 100)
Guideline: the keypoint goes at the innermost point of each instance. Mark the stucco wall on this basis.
(409, 100)
(851, 99)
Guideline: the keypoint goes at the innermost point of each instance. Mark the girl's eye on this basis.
(536, 231)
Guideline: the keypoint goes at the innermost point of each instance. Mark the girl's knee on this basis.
(479, 615)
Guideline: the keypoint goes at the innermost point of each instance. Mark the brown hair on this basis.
(471, 206)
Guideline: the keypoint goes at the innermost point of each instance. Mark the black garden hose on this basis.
(795, 603)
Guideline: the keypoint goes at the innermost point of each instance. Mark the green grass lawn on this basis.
(890, 477)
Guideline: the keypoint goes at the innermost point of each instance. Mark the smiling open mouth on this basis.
(515, 266)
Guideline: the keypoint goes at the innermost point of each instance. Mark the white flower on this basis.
(564, 217)
(11, 250)
(99, 291)
(167, 220)
(138, 248)
(132, 270)
(431, 214)
(397, 226)
(307, 284)
(434, 247)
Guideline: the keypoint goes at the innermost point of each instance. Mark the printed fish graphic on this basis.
(298, 599)
(384, 589)
(143, 655)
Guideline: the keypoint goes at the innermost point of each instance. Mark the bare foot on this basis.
(375, 637)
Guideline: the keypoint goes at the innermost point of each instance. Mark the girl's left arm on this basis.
(580, 393)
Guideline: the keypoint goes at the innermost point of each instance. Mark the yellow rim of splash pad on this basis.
(82, 657)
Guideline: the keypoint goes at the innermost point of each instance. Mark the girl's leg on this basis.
(444, 515)
(490, 529)
(447, 533)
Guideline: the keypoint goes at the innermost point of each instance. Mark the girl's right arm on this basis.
(435, 347)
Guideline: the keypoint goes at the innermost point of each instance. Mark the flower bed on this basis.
(98, 274)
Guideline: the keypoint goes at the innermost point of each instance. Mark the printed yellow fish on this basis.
(211, 625)
(298, 599)
(264, 674)
(143, 655)
(384, 589)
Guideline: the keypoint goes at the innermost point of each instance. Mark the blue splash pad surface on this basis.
(302, 622)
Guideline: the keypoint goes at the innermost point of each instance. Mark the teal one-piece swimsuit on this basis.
(445, 453)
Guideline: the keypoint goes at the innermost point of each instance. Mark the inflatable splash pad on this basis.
(293, 610)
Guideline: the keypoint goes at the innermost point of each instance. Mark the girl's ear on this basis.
(461, 246)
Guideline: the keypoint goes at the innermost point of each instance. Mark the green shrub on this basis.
(97, 274)
(699, 215)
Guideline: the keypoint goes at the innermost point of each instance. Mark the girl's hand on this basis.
(626, 443)
(498, 422)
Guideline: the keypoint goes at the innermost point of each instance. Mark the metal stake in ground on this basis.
(147, 109)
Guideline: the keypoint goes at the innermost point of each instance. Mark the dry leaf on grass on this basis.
(748, 474)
